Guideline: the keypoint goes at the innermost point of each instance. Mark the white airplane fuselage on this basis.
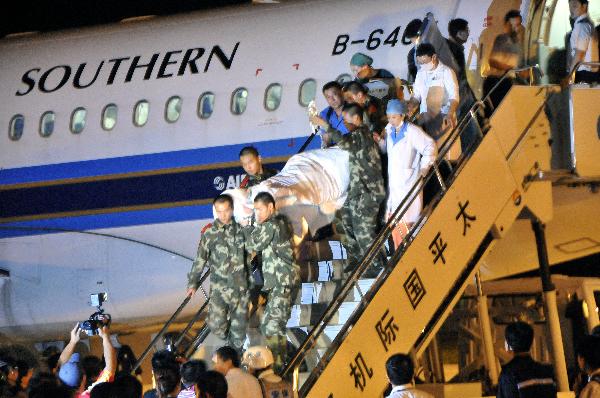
(121, 211)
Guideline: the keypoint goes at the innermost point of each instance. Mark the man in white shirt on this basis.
(583, 43)
(239, 383)
(433, 73)
(400, 371)
(410, 153)
(436, 92)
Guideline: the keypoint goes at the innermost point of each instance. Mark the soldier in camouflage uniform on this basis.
(273, 236)
(252, 165)
(358, 220)
(255, 174)
(222, 246)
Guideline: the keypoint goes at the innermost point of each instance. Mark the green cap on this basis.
(360, 59)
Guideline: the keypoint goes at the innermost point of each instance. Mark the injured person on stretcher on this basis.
(308, 190)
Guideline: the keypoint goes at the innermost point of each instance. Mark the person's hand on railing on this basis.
(190, 292)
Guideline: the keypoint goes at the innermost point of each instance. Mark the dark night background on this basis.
(49, 15)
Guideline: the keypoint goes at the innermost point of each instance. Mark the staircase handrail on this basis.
(579, 65)
(163, 330)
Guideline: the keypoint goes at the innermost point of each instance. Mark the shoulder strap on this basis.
(262, 388)
(329, 113)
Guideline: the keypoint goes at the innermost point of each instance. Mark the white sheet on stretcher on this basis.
(312, 185)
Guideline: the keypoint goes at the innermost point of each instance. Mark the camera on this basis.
(98, 319)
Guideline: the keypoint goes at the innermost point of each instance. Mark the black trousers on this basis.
(497, 95)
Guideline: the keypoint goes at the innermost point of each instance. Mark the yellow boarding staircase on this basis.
(489, 187)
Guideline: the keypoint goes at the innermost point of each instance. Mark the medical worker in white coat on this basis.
(410, 153)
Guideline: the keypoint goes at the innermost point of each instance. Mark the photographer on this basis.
(71, 372)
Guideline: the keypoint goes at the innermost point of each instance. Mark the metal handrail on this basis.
(576, 68)
(160, 334)
(163, 330)
(194, 319)
(509, 75)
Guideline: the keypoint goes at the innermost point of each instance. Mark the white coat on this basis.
(407, 160)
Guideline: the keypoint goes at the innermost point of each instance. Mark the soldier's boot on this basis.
(278, 347)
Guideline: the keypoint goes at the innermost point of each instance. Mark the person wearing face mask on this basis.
(358, 220)
(507, 54)
(436, 94)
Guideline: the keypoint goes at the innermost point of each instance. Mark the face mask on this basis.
(427, 67)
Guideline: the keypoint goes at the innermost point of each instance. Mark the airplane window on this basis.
(15, 129)
(239, 101)
(307, 92)
(109, 117)
(206, 103)
(273, 96)
(140, 113)
(173, 109)
(344, 78)
(78, 120)
(47, 124)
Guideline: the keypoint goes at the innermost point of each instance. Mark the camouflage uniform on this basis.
(250, 181)
(358, 220)
(374, 115)
(222, 247)
(256, 264)
(281, 280)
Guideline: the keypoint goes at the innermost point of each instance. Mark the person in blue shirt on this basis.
(332, 92)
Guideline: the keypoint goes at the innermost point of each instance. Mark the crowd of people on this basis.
(71, 374)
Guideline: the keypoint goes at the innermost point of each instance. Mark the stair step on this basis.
(297, 335)
(321, 250)
(325, 270)
(323, 292)
(309, 314)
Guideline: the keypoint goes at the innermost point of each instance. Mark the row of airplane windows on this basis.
(239, 101)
